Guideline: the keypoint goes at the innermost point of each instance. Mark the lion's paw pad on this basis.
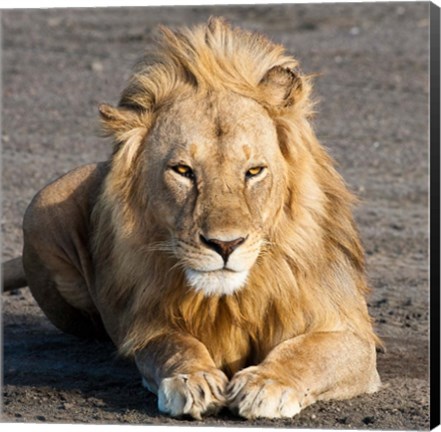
(192, 394)
(252, 396)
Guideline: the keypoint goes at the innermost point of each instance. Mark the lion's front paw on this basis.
(194, 394)
(253, 395)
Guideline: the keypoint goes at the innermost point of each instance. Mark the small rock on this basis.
(376, 144)
(313, 416)
(397, 227)
(54, 22)
(354, 31)
(338, 59)
(5, 138)
(342, 420)
(97, 402)
(97, 66)
(41, 418)
(400, 10)
(18, 415)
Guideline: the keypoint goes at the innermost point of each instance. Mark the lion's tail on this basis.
(13, 274)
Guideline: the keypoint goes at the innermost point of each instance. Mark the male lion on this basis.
(217, 246)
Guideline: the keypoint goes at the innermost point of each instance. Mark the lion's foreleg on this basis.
(302, 370)
(180, 370)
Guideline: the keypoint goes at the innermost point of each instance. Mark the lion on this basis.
(216, 247)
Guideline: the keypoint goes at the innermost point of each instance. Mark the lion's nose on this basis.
(223, 248)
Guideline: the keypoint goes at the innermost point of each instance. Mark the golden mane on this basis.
(212, 58)
(310, 275)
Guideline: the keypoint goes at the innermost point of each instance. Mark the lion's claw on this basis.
(252, 395)
(193, 394)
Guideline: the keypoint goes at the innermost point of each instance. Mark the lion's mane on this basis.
(309, 277)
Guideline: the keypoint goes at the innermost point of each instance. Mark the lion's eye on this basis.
(184, 171)
(255, 171)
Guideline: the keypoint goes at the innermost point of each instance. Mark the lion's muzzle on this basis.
(223, 248)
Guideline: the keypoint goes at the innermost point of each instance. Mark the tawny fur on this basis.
(230, 96)
(311, 275)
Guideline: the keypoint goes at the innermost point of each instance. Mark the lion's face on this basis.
(216, 175)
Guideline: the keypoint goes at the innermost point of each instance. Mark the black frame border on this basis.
(434, 173)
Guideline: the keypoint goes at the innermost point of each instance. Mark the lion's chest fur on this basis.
(238, 330)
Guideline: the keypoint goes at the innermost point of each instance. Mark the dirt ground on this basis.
(57, 65)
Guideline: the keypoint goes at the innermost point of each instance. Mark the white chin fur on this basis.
(218, 282)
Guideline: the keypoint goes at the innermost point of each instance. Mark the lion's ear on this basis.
(120, 120)
(281, 87)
